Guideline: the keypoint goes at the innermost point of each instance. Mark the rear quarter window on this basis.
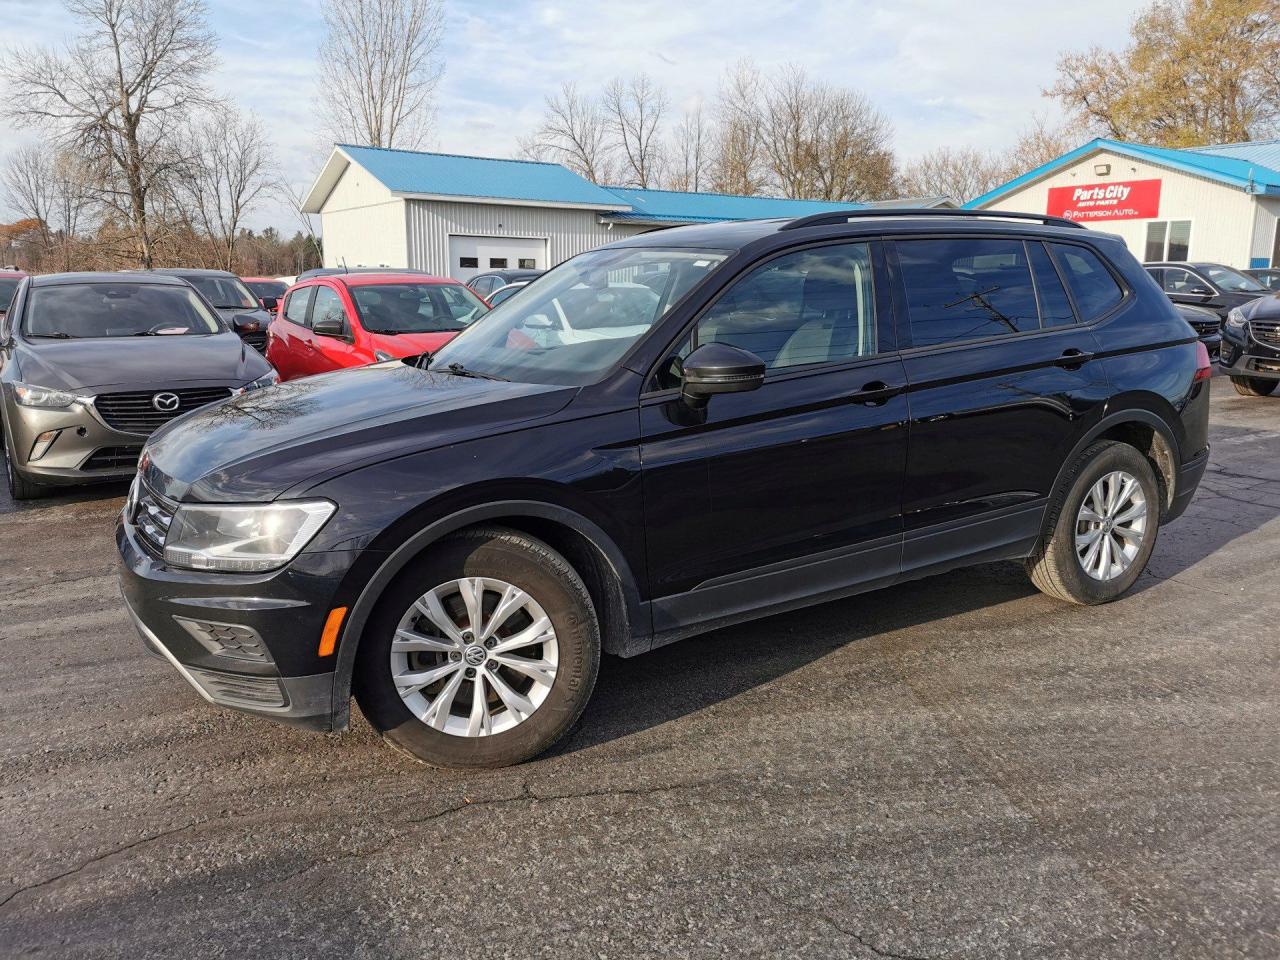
(1092, 286)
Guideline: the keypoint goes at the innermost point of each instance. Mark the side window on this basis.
(328, 306)
(812, 306)
(966, 289)
(482, 285)
(1177, 281)
(1094, 288)
(295, 305)
(1055, 305)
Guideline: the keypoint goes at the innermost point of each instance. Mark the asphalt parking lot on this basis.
(958, 767)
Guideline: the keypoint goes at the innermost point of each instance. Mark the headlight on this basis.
(381, 357)
(266, 380)
(1236, 323)
(29, 395)
(243, 539)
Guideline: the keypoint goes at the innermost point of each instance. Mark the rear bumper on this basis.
(1188, 481)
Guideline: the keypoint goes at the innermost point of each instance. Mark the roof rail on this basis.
(862, 213)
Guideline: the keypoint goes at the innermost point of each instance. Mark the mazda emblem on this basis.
(165, 402)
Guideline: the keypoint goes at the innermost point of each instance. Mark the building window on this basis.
(1168, 240)
(468, 263)
(497, 263)
(528, 263)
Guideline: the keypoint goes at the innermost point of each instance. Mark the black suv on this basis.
(1209, 285)
(234, 301)
(1251, 346)
(800, 410)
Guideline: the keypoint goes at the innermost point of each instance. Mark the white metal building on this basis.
(1216, 203)
(458, 216)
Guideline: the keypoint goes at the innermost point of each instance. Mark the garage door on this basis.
(469, 256)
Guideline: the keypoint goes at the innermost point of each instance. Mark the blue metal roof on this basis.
(1263, 153)
(672, 206)
(1225, 167)
(446, 174)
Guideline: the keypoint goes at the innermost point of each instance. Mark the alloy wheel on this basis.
(1111, 525)
(474, 657)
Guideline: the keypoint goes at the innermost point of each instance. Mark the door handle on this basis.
(1073, 358)
(875, 393)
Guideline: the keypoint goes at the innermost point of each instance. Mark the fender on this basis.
(402, 555)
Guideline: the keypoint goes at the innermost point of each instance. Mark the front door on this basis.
(791, 491)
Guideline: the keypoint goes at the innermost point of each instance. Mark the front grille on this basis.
(241, 690)
(1205, 328)
(231, 640)
(152, 515)
(112, 458)
(256, 339)
(1268, 331)
(136, 412)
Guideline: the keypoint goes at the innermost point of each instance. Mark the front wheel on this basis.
(20, 488)
(1101, 527)
(482, 654)
(1254, 386)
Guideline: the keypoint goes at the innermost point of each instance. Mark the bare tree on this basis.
(634, 110)
(688, 167)
(737, 166)
(960, 173)
(230, 173)
(576, 133)
(114, 95)
(306, 244)
(1041, 142)
(51, 188)
(379, 67)
(822, 142)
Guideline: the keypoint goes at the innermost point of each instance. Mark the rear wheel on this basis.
(1254, 386)
(20, 488)
(1101, 527)
(482, 654)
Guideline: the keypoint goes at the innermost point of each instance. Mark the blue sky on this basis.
(960, 73)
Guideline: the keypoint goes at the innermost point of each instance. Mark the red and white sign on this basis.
(1126, 200)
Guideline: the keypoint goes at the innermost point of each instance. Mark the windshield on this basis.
(416, 307)
(8, 287)
(80, 310)
(225, 293)
(572, 324)
(1229, 279)
(266, 288)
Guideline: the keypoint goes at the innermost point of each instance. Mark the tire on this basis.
(1254, 386)
(20, 488)
(507, 564)
(1057, 569)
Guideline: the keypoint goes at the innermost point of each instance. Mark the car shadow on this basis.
(636, 694)
(63, 496)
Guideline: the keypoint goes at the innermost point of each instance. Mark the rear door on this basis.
(1001, 381)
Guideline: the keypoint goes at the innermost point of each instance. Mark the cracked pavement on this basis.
(953, 768)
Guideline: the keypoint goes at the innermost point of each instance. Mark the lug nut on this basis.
(489, 643)
(471, 672)
(468, 636)
(492, 664)
(455, 655)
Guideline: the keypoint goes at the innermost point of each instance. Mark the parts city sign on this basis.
(1126, 200)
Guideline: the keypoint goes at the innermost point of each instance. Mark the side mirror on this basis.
(328, 327)
(1199, 291)
(269, 304)
(719, 368)
(246, 322)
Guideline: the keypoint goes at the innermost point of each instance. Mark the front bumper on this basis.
(85, 449)
(248, 642)
(1249, 358)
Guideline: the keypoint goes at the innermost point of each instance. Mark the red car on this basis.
(348, 320)
(268, 290)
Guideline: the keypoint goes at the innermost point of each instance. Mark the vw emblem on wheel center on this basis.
(165, 402)
(475, 655)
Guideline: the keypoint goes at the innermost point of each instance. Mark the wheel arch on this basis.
(624, 626)
(1147, 432)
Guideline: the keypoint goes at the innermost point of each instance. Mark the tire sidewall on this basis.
(544, 575)
(1107, 460)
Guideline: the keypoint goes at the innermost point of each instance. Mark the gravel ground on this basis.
(958, 767)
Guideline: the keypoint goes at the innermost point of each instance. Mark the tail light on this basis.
(1204, 368)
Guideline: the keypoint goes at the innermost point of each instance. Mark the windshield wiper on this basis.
(458, 370)
(52, 336)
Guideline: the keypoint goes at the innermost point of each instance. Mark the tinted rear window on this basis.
(1094, 288)
(966, 289)
(116, 310)
(1055, 307)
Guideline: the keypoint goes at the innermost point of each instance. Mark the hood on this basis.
(230, 313)
(410, 344)
(121, 363)
(1266, 307)
(258, 445)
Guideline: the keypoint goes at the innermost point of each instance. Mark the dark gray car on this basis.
(92, 363)
(233, 300)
